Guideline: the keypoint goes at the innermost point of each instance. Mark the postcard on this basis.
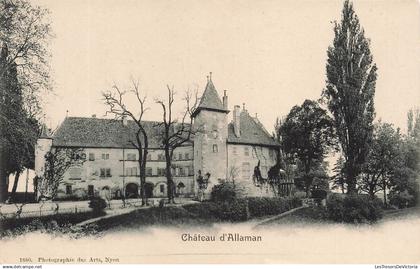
(209, 132)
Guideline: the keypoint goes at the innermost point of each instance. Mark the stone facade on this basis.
(221, 149)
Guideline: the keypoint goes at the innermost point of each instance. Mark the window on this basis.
(149, 171)
(187, 156)
(105, 172)
(68, 190)
(181, 171)
(162, 188)
(102, 174)
(161, 157)
(91, 191)
(105, 156)
(91, 156)
(149, 157)
(161, 171)
(131, 156)
(245, 170)
(246, 151)
(234, 150)
(215, 148)
(180, 156)
(131, 171)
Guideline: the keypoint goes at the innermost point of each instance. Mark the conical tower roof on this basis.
(210, 100)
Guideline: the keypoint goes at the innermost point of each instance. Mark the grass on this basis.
(59, 223)
(167, 216)
(402, 213)
(307, 215)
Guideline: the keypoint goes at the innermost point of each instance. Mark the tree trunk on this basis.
(3, 185)
(351, 179)
(170, 182)
(142, 164)
(26, 185)
(14, 188)
(384, 187)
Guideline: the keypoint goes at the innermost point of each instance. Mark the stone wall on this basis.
(117, 170)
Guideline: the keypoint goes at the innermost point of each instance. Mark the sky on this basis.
(270, 55)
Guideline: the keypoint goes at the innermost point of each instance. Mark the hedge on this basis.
(356, 208)
(244, 208)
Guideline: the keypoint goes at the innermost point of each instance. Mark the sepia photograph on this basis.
(210, 132)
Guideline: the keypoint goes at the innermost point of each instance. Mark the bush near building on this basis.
(356, 208)
(226, 206)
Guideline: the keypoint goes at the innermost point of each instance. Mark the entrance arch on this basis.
(148, 188)
(131, 190)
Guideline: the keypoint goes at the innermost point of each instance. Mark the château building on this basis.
(223, 149)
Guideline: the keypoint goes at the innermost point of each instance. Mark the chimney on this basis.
(236, 120)
(225, 101)
(93, 115)
(124, 120)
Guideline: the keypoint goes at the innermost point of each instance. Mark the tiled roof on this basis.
(210, 99)
(107, 133)
(251, 132)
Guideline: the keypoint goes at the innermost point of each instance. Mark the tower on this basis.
(43, 145)
(210, 148)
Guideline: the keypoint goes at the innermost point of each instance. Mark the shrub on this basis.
(354, 208)
(402, 199)
(319, 194)
(262, 206)
(223, 192)
(299, 194)
(235, 210)
(98, 204)
(335, 207)
(205, 210)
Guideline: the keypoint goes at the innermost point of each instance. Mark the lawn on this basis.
(59, 223)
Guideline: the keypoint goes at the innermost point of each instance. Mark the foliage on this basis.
(235, 210)
(353, 208)
(26, 32)
(404, 186)
(383, 159)
(319, 194)
(317, 177)
(402, 199)
(262, 206)
(338, 180)
(223, 192)
(350, 90)
(206, 210)
(98, 204)
(60, 224)
(18, 130)
(307, 134)
(57, 161)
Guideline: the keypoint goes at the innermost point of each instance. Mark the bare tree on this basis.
(57, 161)
(117, 107)
(175, 132)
